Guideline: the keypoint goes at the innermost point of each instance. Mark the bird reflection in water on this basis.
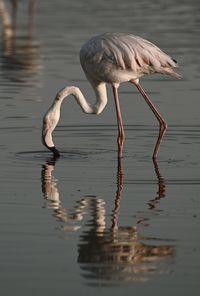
(20, 60)
(115, 254)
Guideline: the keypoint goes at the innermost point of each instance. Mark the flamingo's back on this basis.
(110, 52)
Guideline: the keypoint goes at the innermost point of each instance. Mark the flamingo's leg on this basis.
(121, 133)
(162, 123)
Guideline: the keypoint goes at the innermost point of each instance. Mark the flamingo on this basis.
(112, 58)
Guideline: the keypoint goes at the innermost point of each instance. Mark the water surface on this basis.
(85, 223)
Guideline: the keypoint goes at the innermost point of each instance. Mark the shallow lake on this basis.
(86, 222)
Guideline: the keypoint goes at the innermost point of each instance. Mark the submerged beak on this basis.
(55, 151)
(48, 141)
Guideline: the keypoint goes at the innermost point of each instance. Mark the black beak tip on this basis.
(55, 151)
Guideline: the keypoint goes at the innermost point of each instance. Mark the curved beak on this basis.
(48, 141)
(55, 151)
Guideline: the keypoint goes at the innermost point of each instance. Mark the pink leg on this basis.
(121, 134)
(162, 123)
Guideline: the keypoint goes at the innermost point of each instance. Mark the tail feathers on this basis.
(171, 69)
(172, 72)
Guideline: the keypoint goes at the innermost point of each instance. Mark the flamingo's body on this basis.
(112, 58)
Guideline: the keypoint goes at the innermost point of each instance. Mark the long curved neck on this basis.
(52, 116)
(97, 108)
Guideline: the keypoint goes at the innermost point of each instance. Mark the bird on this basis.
(112, 58)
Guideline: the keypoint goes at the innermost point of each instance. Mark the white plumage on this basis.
(112, 58)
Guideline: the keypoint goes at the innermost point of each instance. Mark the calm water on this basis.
(85, 223)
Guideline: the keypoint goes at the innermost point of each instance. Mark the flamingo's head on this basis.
(50, 121)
